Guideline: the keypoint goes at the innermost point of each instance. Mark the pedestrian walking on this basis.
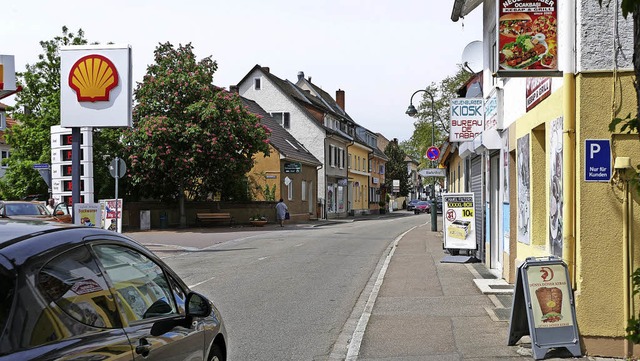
(281, 211)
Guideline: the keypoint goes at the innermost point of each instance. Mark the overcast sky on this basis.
(378, 52)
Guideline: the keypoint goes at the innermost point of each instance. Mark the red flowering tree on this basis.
(190, 138)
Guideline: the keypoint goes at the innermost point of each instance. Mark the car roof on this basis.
(13, 229)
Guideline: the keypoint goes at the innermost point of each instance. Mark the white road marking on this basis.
(262, 258)
(358, 334)
(298, 245)
(199, 283)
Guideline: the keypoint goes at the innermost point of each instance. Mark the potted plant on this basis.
(258, 220)
(382, 205)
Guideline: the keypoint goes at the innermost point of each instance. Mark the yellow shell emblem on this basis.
(92, 77)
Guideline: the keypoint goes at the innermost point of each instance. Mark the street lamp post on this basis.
(412, 111)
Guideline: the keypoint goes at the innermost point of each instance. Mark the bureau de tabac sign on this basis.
(95, 86)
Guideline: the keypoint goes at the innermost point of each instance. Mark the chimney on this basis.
(265, 69)
(300, 75)
(234, 89)
(340, 98)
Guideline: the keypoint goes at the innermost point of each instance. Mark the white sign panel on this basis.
(95, 86)
(433, 172)
(7, 73)
(87, 214)
(459, 221)
(467, 119)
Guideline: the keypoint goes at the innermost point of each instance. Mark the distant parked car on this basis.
(421, 207)
(412, 204)
(23, 210)
(438, 206)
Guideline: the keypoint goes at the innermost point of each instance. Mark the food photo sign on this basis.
(528, 36)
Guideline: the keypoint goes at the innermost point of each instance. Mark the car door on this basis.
(147, 299)
(63, 309)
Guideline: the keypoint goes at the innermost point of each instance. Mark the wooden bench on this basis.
(208, 217)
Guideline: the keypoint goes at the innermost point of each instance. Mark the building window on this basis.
(4, 155)
(284, 118)
(304, 190)
(349, 161)
(290, 191)
(381, 169)
(370, 165)
(257, 83)
(342, 158)
(332, 157)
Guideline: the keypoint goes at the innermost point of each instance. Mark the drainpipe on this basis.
(626, 263)
(569, 143)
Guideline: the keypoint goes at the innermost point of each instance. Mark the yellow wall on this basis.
(359, 172)
(263, 167)
(536, 123)
(599, 296)
(456, 178)
(599, 242)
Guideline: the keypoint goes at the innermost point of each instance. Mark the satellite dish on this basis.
(472, 57)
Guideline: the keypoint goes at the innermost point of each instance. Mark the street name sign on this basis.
(433, 172)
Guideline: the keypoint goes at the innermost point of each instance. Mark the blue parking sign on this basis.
(597, 162)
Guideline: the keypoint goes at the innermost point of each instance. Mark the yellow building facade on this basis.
(359, 173)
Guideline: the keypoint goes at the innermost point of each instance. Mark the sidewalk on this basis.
(427, 310)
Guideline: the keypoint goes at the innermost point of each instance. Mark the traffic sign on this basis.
(117, 168)
(41, 166)
(433, 153)
(597, 162)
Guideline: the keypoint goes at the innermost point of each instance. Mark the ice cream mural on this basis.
(549, 295)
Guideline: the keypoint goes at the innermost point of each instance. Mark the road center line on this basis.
(199, 283)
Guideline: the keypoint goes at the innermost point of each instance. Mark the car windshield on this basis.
(25, 209)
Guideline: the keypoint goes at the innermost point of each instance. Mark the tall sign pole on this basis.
(75, 168)
(117, 169)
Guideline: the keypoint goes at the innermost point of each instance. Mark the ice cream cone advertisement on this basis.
(459, 221)
(549, 295)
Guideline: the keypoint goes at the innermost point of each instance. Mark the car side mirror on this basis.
(198, 305)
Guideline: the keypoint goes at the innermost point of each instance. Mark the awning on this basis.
(491, 139)
(463, 7)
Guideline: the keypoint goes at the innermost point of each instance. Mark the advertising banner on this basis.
(459, 219)
(110, 215)
(528, 38)
(537, 90)
(467, 119)
(87, 214)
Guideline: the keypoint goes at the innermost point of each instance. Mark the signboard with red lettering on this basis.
(528, 36)
(467, 119)
(537, 90)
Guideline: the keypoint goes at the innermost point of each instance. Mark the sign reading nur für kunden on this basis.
(467, 119)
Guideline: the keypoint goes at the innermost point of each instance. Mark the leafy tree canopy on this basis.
(37, 109)
(189, 137)
(426, 125)
(396, 168)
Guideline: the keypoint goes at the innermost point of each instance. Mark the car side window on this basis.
(179, 294)
(141, 287)
(74, 282)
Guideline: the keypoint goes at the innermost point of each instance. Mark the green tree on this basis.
(396, 168)
(37, 109)
(190, 138)
(425, 124)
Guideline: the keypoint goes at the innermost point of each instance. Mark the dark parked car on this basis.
(82, 293)
(412, 204)
(421, 207)
(10, 209)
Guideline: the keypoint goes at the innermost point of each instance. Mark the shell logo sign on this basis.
(96, 86)
(93, 77)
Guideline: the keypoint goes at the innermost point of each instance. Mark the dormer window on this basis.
(257, 83)
(283, 118)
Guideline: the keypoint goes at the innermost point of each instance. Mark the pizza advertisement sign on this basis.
(528, 36)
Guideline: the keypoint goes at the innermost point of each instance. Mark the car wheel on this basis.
(216, 354)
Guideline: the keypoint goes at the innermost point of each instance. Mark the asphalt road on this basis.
(291, 293)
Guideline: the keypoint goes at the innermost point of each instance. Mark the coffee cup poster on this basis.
(528, 35)
(549, 294)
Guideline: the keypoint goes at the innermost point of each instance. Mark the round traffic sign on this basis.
(117, 168)
(433, 153)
